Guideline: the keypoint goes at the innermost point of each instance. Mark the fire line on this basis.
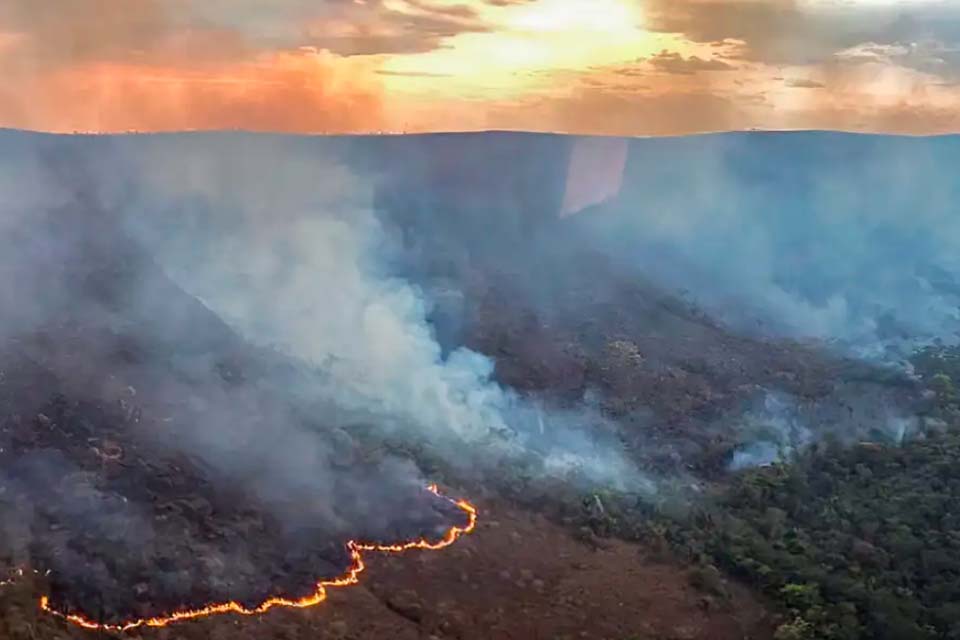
(351, 577)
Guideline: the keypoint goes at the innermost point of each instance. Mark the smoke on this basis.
(280, 240)
(776, 426)
(304, 367)
(845, 239)
(282, 243)
(138, 425)
(206, 346)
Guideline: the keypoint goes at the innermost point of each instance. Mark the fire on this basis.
(351, 577)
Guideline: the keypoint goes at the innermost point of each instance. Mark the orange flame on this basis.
(319, 595)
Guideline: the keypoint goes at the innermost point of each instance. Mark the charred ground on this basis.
(98, 496)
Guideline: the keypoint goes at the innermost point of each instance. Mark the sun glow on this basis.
(526, 43)
(603, 16)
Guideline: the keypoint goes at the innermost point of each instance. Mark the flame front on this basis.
(319, 595)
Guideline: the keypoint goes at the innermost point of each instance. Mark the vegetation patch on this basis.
(852, 542)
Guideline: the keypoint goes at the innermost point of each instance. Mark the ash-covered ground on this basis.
(224, 355)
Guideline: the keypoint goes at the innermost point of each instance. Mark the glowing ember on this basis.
(319, 595)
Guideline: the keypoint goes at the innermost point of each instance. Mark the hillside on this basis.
(259, 347)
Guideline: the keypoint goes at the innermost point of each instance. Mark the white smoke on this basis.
(285, 247)
(779, 426)
(852, 240)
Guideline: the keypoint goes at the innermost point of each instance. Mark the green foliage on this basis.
(709, 579)
(796, 629)
(801, 596)
(943, 385)
(853, 543)
(939, 368)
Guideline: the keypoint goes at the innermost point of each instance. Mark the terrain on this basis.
(159, 452)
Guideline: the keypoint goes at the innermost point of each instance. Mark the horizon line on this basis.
(397, 134)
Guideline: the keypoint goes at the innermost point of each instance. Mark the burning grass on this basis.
(319, 595)
(125, 532)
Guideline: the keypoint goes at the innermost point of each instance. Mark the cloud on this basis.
(608, 111)
(76, 31)
(302, 65)
(412, 26)
(412, 74)
(83, 31)
(770, 30)
(927, 56)
(627, 101)
(291, 92)
(114, 65)
(794, 32)
(803, 83)
(673, 62)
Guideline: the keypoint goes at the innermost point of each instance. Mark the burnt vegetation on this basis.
(135, 475)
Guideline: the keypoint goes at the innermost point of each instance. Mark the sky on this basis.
(606, 67)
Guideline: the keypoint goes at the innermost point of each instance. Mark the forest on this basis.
(850, 542)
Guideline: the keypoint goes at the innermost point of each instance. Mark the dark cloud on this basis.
(792, 32)
(773, 31)
(65, 32)
(156, 31)
(349, 29)
(391, 32)
(928, 56)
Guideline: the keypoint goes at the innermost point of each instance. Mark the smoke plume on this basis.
(841, 238)
(282, 243)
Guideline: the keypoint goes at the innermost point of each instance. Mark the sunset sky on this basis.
(625, 67)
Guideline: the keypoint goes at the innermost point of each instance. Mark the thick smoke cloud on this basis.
(848, 243)
(294, 396)
(278, 242)
(282, 243)
(137, 425)
(816, 236)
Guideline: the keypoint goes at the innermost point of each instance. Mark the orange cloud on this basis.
(288, 92)
(636, 67)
